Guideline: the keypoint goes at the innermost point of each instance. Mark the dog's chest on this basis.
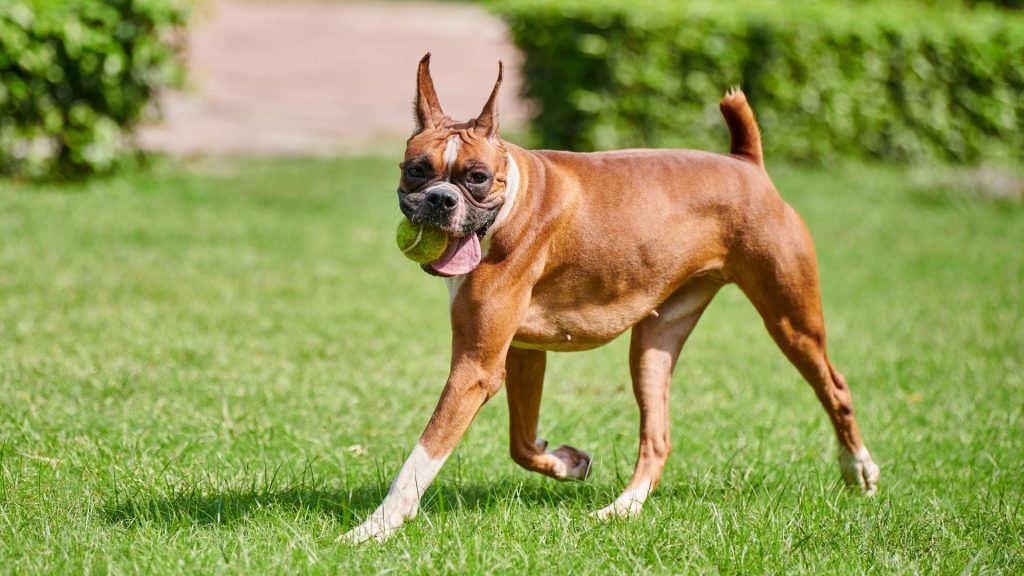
(581, 326)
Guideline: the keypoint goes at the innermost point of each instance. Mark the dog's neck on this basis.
(511, 191)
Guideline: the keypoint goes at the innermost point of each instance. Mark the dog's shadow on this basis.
(196, 507)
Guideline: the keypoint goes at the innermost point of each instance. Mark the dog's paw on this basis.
(859, 471)
(369, 530)
(619, 509)
(573, 463)
(378, 526)
(627, 505)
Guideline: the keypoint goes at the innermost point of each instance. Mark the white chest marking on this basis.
(453, 283)
(511, 191)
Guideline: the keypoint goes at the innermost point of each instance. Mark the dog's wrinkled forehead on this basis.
(451, 151)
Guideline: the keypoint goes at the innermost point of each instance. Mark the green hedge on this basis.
(75, 78)
(1009, 4)
(895, 81)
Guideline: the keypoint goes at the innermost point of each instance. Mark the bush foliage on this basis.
(77, 76)
(894, 81)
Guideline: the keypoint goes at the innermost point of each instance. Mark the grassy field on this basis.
(219, 370)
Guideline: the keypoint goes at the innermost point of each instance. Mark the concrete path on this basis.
(319, 77)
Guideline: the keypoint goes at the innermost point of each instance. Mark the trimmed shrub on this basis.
(894, 81)
(1009, 4)
(76, 77)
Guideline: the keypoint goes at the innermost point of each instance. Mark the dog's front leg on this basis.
(481, 335)
(470, 385)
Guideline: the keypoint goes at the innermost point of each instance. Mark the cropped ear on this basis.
(428, 108)
(486, 124)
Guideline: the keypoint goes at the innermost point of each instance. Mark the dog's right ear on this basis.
(428, 108)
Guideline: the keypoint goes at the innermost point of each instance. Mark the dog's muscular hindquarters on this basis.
(565, 251)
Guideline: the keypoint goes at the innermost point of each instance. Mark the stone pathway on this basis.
(319, 77)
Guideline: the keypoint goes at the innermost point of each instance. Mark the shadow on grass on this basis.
(210, 502)
(197, 507)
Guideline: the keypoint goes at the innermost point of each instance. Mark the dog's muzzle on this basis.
(441, 200)
(440, 204)
(445, 206)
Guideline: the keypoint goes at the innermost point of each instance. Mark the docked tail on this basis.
(746, 138)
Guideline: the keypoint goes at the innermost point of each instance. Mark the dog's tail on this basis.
(746, 138)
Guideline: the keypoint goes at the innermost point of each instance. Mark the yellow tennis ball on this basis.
(419, 242)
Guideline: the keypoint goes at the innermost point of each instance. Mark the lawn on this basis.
(218, 369)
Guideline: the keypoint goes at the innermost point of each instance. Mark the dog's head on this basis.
(454, 174)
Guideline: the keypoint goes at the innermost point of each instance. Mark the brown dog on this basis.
(565, 251)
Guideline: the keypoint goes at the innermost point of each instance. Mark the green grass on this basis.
(219, 371)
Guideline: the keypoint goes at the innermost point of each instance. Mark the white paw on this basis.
(367, 531)
(619, 509)
(627, 505)
(859, 470)
(378, 526)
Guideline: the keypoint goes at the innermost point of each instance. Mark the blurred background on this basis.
(85, 82)
(308, 77)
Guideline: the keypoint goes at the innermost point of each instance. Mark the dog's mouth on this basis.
(463, 254)
(466, 228)
(461, 257)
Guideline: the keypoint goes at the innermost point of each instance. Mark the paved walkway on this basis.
(327, 76)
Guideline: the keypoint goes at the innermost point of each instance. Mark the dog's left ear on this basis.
(486, 124)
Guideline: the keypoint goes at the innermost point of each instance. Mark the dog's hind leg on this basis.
(524, 383)
(654, 348)
(786, 294)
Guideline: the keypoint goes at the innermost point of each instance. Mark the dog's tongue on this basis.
(461, 257)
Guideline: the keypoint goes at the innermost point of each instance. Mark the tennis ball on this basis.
(419, 242)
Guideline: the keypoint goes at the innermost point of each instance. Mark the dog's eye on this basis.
(479, 177)
(415, 171)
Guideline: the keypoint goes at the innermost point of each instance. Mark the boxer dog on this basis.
(561, 251)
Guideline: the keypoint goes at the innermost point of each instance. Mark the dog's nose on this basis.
(442, 200)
